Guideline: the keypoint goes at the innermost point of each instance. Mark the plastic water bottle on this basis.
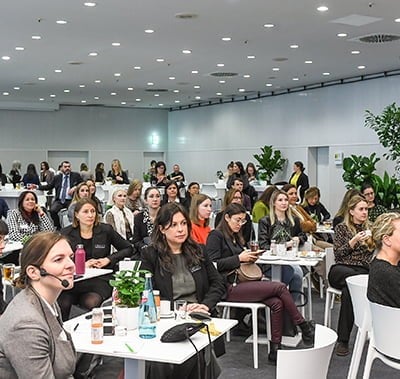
(80, 260)
(273, 247)
(97, 326)
(147, 311)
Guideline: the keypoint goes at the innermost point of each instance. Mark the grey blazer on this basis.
(31, 341)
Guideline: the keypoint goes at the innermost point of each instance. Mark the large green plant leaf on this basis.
(269, 162)
(358, 169)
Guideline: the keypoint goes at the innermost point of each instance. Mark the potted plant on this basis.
(128, 285)
(146, 177)
(358, 169)
(269, 163)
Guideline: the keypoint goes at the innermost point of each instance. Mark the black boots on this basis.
(273, 352)
(308, 332)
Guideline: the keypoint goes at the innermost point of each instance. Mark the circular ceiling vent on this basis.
(224, 74)
(156, 90)
(378, 38)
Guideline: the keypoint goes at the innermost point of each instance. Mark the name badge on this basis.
(195, 268)
(98, 246)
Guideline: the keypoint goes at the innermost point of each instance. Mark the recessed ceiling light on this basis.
(195, 71)
(242, 90)
(186, 51)
(294, 46)
(137, 68)
(322, 8)
(93, 54)
(222, 81)
(97, 81)
(41, 78)
(116, 44)
(177, 101)
(138, 99)
(117, 74)
(150, 84)
(160, 105)
(361, 67)
(20, 48)
(160, 60)
(219, 94)
(251, 57)
(41, 99)
(269, 25)
(36, 37)
(123, 102)
(269, 84)
(17, 88)
(89, 4)
(355, 52)
(52, 95)
(171, 77)
(113, 94)
(275, 68)
(149, 31)
(295, 79)
(82, 86)
(67, 91)
(130, 88)
(308, 62)
(220, 64)
(341, 35)
(198, 97)
(57, 70)
(61, 22)
(5, 58)
(197, 87)
(83, 101)
(246, 76)
(175, 91)
(156, 94)
(96, 98)
(226, 39)
(326, 73)
(6, 93)
(397, 20)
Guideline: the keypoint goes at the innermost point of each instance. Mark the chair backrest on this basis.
(329, 258)
(308, 363)
(255, 228)
(100, 194)
(357, 285)
(209, 189)
(385, 330)
(63, 217)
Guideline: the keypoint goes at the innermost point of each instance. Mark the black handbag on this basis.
(181, 332)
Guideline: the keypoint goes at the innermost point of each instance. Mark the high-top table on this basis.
(144, 349)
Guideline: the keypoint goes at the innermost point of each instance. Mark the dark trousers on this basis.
(56, 207)
(337, 279)
(273, 294)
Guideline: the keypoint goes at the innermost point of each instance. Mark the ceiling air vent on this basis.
(224, 74)
(376, 38)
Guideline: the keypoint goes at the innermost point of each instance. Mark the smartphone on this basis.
(108, 330)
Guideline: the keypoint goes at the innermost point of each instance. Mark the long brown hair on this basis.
(194, 208)
(231, 210)
(32, 217)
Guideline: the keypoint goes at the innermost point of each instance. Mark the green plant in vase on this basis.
(270, 161)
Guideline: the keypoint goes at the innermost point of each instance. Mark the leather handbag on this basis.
(248, 272)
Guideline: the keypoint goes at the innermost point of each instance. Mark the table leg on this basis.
(134, 369)
(276, 273)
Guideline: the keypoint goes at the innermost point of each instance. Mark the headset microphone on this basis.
(64, 282)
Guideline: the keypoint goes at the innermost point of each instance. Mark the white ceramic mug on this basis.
(165, 307)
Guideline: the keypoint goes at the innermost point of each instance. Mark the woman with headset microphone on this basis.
(33, 343)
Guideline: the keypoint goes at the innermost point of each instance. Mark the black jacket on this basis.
(104, 236)
(303, 182)
(210, 287)
(74, 180)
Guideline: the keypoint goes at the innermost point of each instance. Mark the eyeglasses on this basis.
(239, 221)
(369, 194)
(237, 197)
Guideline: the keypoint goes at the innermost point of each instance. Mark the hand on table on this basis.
(195, 307)
(97, 263)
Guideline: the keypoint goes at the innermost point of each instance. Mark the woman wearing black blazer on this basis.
(180, 271)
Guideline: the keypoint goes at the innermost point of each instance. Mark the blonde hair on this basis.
(288, 212)
(348, 218)
(135, 184)
(311, 192)
(383, 226)
(77, 197)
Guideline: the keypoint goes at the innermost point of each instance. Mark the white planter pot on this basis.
(128, 317)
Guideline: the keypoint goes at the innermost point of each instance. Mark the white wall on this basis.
(204, 140)
(106, 133)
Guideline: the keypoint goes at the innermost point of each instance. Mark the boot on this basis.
(308, 332)
(273, 352)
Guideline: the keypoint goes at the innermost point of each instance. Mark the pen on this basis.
(76, 326)
(129, 348)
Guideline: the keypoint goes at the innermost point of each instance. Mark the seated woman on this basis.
(15, 173)
(374, 209)
(92, 194)
(225, 246)
(3, 176)
(46, 175)
(384, 270)
(261, 207)
(33, 343)
(238, 172)
(313, 206)
(353, 248)
(200, 212)
(160, 177)
(171, 259)
(82, 191)
(144, 220)
(282, 227)
(339, 216)
(134, 200)
(29, 218)
(97, 239)
(117, 174)
(99, 173)
(119, 216)
(193, 189)
(3, 235)
(171, 194)
(251, 172)
(31, 176)
(234, 196)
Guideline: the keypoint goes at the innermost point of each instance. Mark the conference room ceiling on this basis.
(171, 54)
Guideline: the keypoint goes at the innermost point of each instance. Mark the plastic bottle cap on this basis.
(148, 275)
(156, 292)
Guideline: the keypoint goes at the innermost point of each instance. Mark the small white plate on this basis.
(290, 259)
(269, 258)
(167, 315)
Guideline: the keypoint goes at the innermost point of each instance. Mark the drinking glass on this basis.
(180, 309)
(254, 246)
(8, 271)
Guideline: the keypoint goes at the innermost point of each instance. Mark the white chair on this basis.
(385, 336)
(63, 217)
(358, 291)
(308, 363)
(226, 309)
(210, 190)
(330, 291)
